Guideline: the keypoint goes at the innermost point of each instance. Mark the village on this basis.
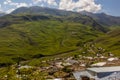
(76, 67)
(64, 68)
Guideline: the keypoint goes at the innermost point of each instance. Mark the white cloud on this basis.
(0, 9)
(69, 5)
(21, 5)
(73, 5)
(37, 1)
(49, 2)
(10, 10)
(80, 5)
(14, 4)
(7, 1)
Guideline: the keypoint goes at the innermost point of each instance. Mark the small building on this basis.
(55, 79)
(99, 64)
(25, 67)
(112, 59)
(99, 73)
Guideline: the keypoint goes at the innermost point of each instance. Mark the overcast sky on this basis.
(108, 6)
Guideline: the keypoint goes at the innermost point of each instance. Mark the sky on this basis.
(110, 7)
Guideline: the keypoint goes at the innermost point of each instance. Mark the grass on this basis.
(47, 37)
(111, 41)
(52, 37)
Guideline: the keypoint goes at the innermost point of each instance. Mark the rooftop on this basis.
(100, 64)
(82, 73)
(104, 69)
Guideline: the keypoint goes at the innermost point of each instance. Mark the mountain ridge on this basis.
(101, 18)
(18, 18)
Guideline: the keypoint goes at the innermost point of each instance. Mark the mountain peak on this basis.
(101, 18)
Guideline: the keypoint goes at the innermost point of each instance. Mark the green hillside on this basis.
(102, 18)
(28, 36)
(110, 41)
(29, 39)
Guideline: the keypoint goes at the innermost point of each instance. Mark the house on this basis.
(112, 59)
(55, 79)
(99, 64)
(99, 73)
(25, 67)
(59, 64)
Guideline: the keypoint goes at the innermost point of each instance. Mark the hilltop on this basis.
(102, 18)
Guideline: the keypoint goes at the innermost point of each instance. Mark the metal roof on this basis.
(78, 75)
(99, 64)
(104, 69)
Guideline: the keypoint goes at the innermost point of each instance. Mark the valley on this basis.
(51, 42)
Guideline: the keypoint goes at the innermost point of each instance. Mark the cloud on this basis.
(14, 4)
(79, 5)
(21, 5)
(36, 1)
(9, 2)
(1, 8)
(73, 5)
(10, 10)
(69, 5)
(49, 2)
(17, 6)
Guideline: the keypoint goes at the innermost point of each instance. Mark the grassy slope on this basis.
(47, 37)
(111, 41)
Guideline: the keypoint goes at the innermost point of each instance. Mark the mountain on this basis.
(110, 41)
(30, 35)
(42, 10)
(19, 17)
(44, 37)
(103, 19)
(37, 32)
(60, 14)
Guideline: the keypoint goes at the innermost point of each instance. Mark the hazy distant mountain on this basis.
(103, 18)
(2, 14)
